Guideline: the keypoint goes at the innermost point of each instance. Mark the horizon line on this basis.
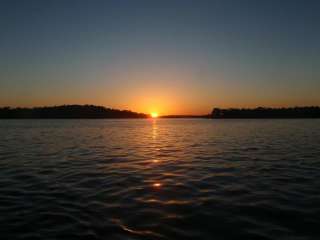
(165, 115)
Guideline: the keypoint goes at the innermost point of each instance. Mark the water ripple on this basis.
(160, 179)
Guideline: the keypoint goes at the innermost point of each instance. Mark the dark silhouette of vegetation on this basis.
(91, 111)
(68, 111)
(261, 112)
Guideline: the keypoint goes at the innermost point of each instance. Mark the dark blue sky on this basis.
(167, 56)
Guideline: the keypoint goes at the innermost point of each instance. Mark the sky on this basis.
(170, 57)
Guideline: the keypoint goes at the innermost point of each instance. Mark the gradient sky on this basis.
(174, 57)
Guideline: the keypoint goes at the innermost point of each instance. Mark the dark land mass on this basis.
(68, 111)
(96, 112)
(294, 112)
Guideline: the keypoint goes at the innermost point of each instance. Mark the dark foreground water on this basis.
(160, 179)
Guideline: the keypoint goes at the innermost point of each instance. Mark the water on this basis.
(160, 179)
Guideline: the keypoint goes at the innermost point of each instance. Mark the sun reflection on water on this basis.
(154, 129)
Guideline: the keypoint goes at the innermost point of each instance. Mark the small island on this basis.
(262, 112)
(68, 111)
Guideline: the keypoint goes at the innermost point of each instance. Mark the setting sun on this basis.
(157, 185)
(154, 114)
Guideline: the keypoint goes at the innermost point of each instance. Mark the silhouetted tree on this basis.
(68, 111)
(261, 112)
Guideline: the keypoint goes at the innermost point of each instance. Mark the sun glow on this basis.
(157, 185)
(154, 114)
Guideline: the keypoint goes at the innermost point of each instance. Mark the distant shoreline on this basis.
(266, 113)
(99, 112)
(68, 112)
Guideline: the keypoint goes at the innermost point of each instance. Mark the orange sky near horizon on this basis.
(162, 101)
(166, 88)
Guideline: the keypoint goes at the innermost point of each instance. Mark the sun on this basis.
(154, 114)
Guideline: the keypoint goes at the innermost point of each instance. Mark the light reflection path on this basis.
(154, 129)
(156, 184)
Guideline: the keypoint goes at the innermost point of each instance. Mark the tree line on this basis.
(68, 111)
(261, 112)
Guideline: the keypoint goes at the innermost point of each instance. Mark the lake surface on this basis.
(160, 179)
